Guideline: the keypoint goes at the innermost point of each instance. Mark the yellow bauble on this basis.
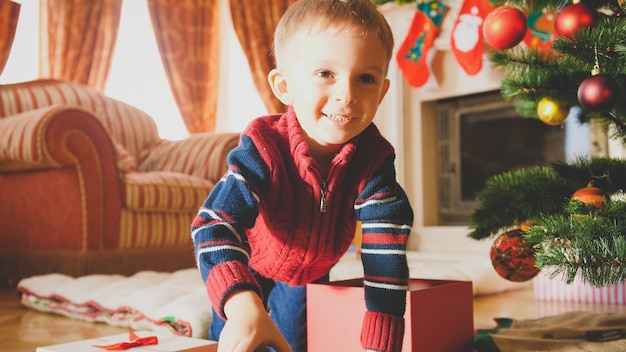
(526, 225)
(551, 113)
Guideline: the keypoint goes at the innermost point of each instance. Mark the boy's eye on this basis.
(367, 78)
(324, 74)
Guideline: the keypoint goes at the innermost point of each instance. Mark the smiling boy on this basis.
(286, 211)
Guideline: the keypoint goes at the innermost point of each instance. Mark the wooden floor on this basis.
(23, 329)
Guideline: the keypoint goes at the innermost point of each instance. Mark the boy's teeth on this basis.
(338, 118)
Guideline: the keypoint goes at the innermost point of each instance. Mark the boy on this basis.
(286, 211)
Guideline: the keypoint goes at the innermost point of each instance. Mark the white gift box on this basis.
(166, 342)
(556, 289)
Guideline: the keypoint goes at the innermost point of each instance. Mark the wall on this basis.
(414, 136)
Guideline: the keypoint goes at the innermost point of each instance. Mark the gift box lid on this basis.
(166, 342)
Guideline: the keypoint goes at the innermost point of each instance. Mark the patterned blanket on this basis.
(174, 302)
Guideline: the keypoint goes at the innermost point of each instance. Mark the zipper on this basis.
(323, 192)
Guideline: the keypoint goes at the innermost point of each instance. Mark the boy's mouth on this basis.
(339, 118)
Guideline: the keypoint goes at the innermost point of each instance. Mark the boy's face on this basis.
(335, 81)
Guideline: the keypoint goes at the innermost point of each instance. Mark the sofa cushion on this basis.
(202, 155)
(165, 191)
(125, 161)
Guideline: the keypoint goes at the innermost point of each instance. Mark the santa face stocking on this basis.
(467, 35)
(411, 56)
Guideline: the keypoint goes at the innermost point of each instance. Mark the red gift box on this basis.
(439, 316)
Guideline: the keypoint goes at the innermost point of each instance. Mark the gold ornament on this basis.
(551, 113)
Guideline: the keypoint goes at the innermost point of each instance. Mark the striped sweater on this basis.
(273, 212)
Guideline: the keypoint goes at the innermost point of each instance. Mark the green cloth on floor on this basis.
(573, 331)
(483, 342)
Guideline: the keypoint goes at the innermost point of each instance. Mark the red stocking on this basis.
(467, 35)
(411, 56)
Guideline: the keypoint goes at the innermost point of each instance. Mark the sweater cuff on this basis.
(226, 278)
(382, 332)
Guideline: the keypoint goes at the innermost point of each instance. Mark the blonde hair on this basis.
(313, 16)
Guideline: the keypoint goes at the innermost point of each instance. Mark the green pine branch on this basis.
(571, 238)
(608, 174)
(590, 245)
(511, 198)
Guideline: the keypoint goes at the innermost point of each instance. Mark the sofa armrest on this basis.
(50, 137)
(68, 152)
(23, 141)
(202, 155)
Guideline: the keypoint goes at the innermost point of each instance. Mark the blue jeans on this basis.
(287, 308)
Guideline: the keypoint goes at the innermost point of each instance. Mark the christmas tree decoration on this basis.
(591, 196)
(513, 257)
(551, 113)
(598, 92)
(540, 34)
(573, 18)
(526, 225)
(505, 27)
(584, 240)
(411, 56)
(521, 194)
(467, 35)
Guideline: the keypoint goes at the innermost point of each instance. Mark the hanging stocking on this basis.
(411, 56)
(467, 35)
(540, 33)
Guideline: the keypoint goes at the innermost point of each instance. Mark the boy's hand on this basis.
(248, 326)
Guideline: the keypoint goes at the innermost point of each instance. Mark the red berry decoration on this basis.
(574, 17)
(513, 258)
(598, 92)
(504, 27)
(590, 195)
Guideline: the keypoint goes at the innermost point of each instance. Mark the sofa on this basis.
(87, 186)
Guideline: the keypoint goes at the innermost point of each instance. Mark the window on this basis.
(137, 77)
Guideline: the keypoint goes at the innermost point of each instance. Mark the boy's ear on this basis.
(384, 90)
(278, 83)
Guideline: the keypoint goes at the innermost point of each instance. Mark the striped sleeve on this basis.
(387, 217)
(218, 230)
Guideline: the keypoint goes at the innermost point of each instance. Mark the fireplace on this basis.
(479, 136)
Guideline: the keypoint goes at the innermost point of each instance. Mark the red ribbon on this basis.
(134, 342)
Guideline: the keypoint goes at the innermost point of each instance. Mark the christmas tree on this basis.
(573, 213)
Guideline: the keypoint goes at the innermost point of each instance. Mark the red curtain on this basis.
(9, 13)
(254, 23)
(187, 35)
(78, 37)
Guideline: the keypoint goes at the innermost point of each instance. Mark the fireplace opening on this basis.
(479, 136)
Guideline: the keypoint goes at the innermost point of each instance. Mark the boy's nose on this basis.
(344, 92)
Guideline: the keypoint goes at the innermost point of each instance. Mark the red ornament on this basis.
(504, 27)
(513, 258)
(598, 92)
(590, 195)
(574, 17)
